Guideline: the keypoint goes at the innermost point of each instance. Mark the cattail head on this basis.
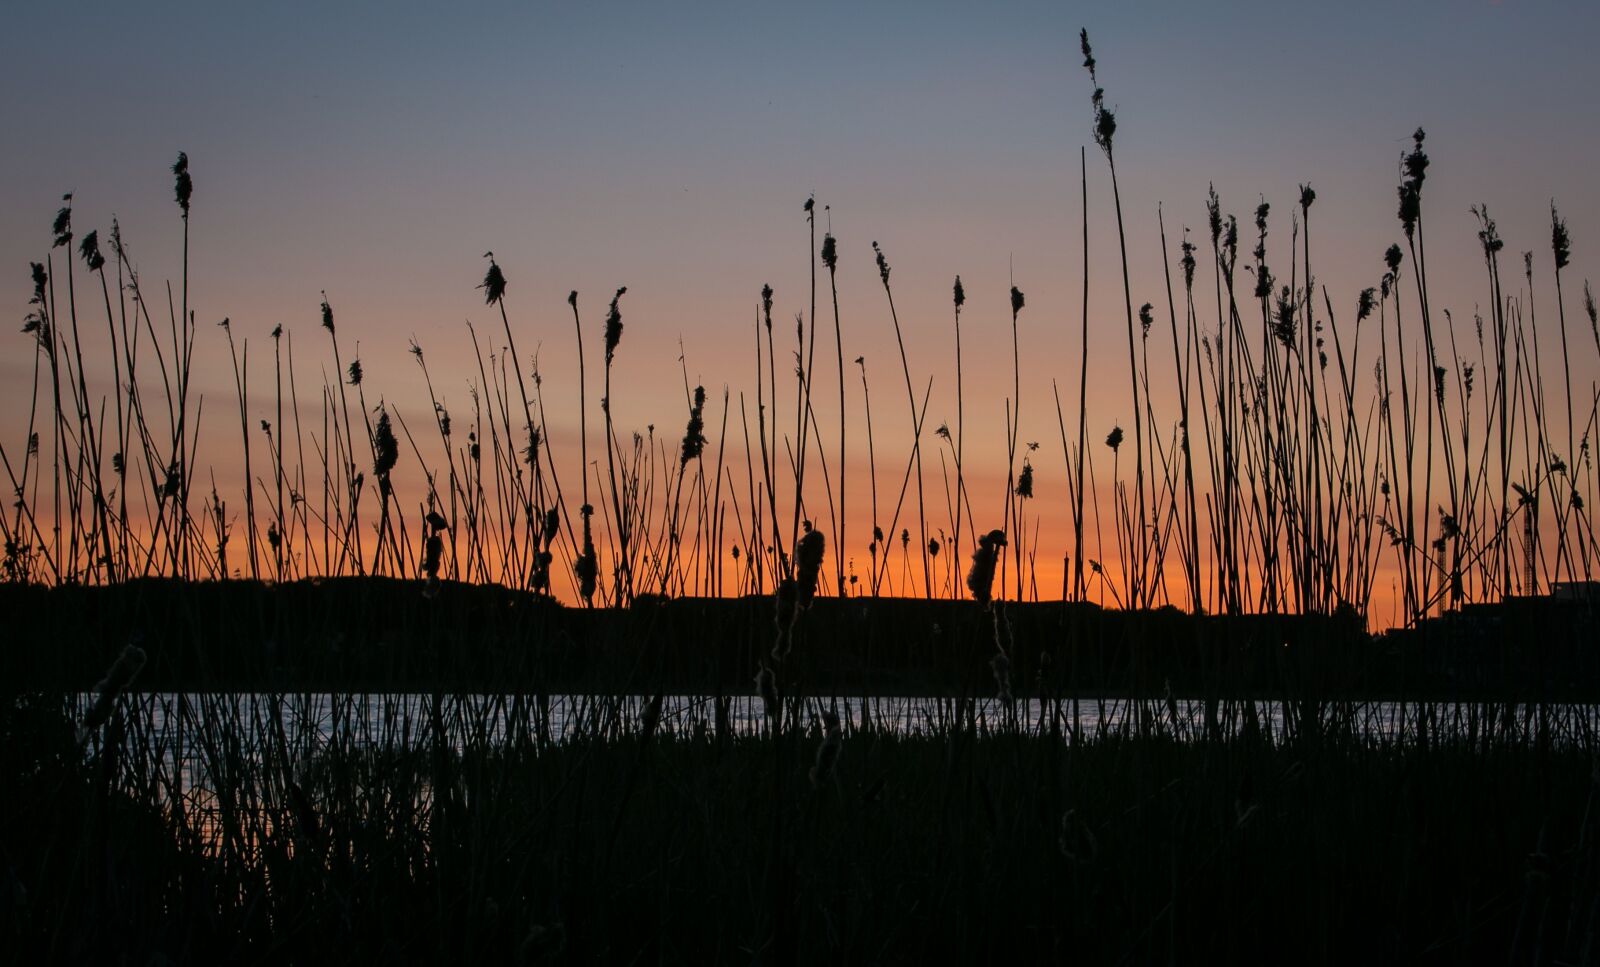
(327, 313)
(385, 448)
(1114, 438)
(808, 564)
(182, 184)
(1560, 241)
(1145, 319)
(980, 577)
(436, 522)
(1025, 481)
(766, 304)
(933, 547)
(1188, 261)
(809, 206)
(1017, 301)
(1307, 196)
(960, 294)
(494, 282)
(694, 439)
(432, 552)
(614, 325)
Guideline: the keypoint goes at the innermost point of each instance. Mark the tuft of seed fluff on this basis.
(980, 577)
(494, 282)
(828, 750)
(767, 687)
(89, 249)
(117, 678)
(62, 226)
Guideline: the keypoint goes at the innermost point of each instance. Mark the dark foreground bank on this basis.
(369, 634)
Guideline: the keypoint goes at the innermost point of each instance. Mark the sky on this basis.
(377, 151)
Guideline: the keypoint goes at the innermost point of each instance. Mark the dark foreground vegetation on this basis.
(194, 806)
(378, 634)
(809, 841)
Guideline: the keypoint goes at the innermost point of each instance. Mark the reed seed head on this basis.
(1017, 301)
(1560, 241)
(1391, 258)
(1114, 438)
(960, 294)
(182, 183)
(1364, 304)
(614, 325)
(1145, 319)
(89, 250)
(327, 313)
(61, 228)
(1025, 481)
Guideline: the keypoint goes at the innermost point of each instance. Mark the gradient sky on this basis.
(377, 151)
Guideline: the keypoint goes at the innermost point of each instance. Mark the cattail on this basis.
(960, 293)
(116, 680)
(587, 566)
(436, 522)
(1145, 320)
(182, 184)
(694, 439)
(1114, 438)
(433, 551)
(1017, 300)
(1188, 261)
(614, 325)
(980, 578)
(1025, 481)
(828, 751)
(808, 562)
(386, 449)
